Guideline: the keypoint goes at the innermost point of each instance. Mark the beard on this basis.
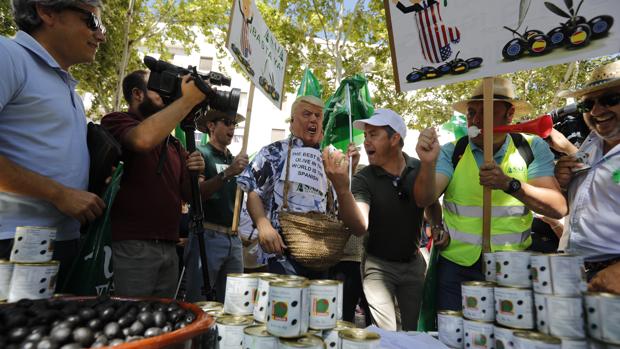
(148, 108)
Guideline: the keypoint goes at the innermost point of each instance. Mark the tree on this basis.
(7, 26)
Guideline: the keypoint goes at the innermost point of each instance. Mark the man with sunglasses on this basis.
(146, 213)
(380, 204)
(44, 159)
(520, 176)
(592, 180)
(223, 246)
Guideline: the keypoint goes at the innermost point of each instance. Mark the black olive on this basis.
(83, 336)
(146, 318)
(159, 306)
(126, 320)
(34, 336)
(106, 314)
(16, 319)
(167, 328)
(47, 343)
(63, 324)
(74, 320)
(179, 325)
(189, 318)
(39, 329)
(134, 338)
(126, 332)
(172, 307)
(95, 324)
(173, 316)
(152, 332)
(136, 329)
(29, 345)
(24, 303)
(69, 309)
(71, 346)
(17, 334)
(60, 334)
(87, 313)
(112, 330)
(159, 318)
(116, 341)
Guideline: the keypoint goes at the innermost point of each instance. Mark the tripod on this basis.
(196, 212)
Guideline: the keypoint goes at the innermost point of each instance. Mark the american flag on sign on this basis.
(435, 37)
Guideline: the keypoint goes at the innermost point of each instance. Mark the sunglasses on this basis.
(229, 122)
(607, 101)
(92, 22)
(397, 184)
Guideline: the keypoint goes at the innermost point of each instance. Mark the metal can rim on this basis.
(295, 341)
(479, 283)
(257, 331)
(602, 294)
(478, 321)
(450, 312)
(323, 282)
(537, 336)
(31, 264)
(234, 320)
(288, 284)
(353, 334)
(242, 275)
(344, 323)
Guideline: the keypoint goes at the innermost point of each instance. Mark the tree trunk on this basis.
(122, 65)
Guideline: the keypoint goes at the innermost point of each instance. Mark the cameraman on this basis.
(147, 210)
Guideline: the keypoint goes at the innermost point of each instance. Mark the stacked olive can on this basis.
(263, 310)
(531, 301)
(30, 273)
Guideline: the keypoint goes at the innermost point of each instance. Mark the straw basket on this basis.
(315, 240)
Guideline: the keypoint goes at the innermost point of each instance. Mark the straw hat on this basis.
(213, 115)
(602, 77)
(503, 90)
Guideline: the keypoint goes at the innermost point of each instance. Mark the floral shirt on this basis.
(265, 176)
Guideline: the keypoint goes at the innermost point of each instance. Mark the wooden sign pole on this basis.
(487, 134)
(244, 148)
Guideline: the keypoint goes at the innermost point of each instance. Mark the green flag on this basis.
(180, 135)
(350, 102)
(310, 86)
(457, 125)
(91, 274)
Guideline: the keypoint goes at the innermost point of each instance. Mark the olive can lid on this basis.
(257, 331)
(30, 264)
(292, 277)
(450, 313)
(358, 335)
(478, 283)
(242, 275)
(305, 341)
(288, 283)
(323, 283)
(344, 324)
(209, 305)
(537, 336)
(234, 320)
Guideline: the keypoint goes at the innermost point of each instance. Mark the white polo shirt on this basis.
(593, 224)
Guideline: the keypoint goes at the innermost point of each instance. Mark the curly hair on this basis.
(26, 16)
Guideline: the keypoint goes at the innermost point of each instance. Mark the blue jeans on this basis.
(449, 278)
(224, 256)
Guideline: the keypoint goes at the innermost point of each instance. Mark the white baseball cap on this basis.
(384, 117)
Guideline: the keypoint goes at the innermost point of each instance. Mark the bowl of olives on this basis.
(102, 322)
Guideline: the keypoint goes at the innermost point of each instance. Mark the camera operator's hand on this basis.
(195, 162)
(190, 91)
(79, 204)
(558, 142)
(237, 166)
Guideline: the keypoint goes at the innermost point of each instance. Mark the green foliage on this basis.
(7, 26)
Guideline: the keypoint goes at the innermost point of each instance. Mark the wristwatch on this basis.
(513, 186)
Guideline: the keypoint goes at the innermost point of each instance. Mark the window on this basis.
(277, 134)
(206, 64)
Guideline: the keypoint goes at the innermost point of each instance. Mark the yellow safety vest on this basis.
(511, 221)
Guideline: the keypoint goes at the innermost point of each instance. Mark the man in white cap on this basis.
(380, 204)
(593, 181)
(521, 177)
(263, 180)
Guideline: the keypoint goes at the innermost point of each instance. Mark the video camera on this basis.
(568, 120)
(165, 79)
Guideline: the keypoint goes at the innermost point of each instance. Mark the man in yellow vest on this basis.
(521, 177)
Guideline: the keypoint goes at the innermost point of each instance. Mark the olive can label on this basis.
(331, 339)
(574, 344)
(230, 336)
(542, 315)
(489, 266)
(289, 311)
(478, 334)
(450, 328)
(562, 275)
(513, 269)
(565, 316)
(6, 271)
(478, 303)
(240, 295)
(256, 342)
(603, 317)
(262, 297)
(527, 343)
(33, 281)
(503, 337)
(323, 300)
(33, 244)
(339, 301)
(514, 308)
(541, 273)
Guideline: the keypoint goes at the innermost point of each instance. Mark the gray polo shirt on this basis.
(43, 129)
(394, 221)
